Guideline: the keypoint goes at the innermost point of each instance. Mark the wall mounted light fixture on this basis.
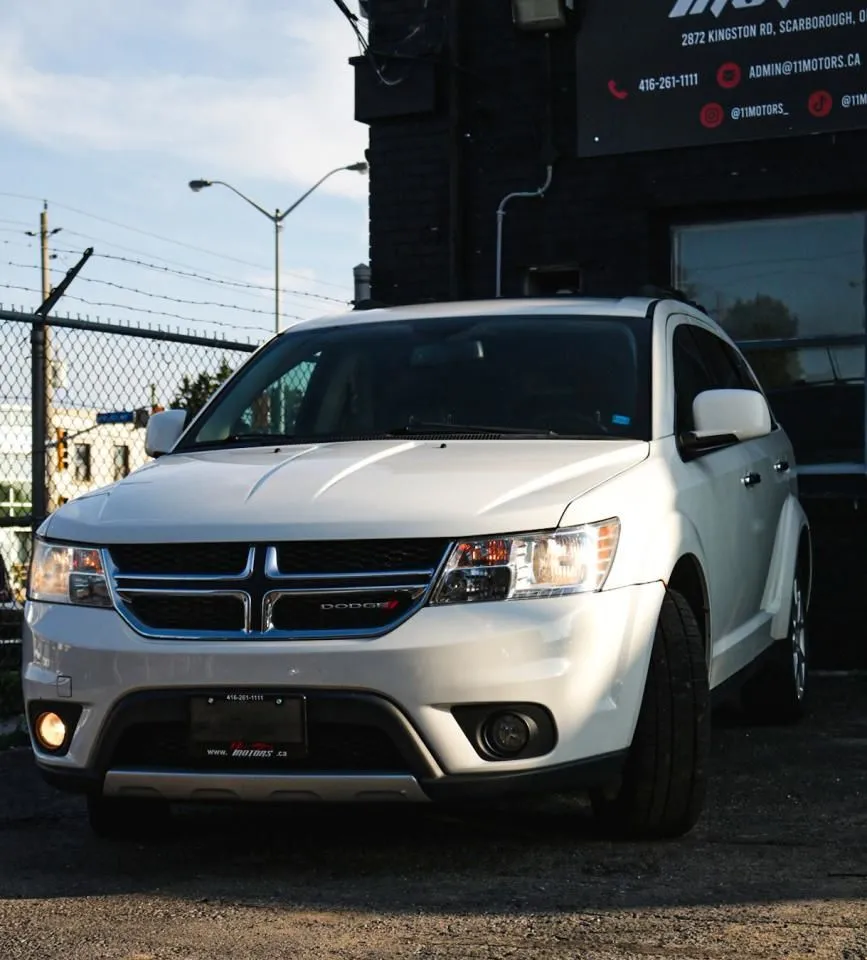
(541, 14)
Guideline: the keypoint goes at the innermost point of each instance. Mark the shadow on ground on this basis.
(785, 822)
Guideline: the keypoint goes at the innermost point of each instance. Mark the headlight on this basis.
(548, 564)
(65, 574)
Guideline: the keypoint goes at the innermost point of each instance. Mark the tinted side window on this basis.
(746, 376)
(718, 360)
(729, 369)
(691, 378)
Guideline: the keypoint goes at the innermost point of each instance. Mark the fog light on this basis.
(506, 734)
(50, 731)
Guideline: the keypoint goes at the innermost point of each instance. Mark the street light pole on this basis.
(276, 218)
(278, 226)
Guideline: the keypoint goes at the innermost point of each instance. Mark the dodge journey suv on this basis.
(450, 552)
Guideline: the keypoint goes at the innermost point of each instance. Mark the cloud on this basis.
(269, 96)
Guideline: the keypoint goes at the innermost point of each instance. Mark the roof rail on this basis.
(670, 293)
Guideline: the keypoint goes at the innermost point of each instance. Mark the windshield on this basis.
(556, 377)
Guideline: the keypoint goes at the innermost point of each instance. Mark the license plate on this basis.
(245, 727)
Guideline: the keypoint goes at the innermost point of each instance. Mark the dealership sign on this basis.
(663, 74)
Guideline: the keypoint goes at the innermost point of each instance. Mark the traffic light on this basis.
(143, 414)
(62, 450)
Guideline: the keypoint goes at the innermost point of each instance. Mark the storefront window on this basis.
(791, 291)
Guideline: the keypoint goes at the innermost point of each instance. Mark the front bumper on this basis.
(583, 659)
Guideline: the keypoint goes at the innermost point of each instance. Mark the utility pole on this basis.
(43, 247)
(44, 382)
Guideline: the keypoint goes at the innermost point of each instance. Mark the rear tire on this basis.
(778, 693)
(662, 789)
(122, 818)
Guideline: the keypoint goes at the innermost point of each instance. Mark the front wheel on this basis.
(662, 789)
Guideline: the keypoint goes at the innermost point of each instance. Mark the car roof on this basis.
(523, 306)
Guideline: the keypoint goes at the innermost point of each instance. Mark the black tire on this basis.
(122, 818)
(661, 792)
(778, 694)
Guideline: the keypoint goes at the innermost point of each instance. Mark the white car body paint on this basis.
(583, 657)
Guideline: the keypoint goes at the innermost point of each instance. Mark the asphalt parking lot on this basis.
(776, 869)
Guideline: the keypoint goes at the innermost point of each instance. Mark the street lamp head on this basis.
(196, 185)
(358, 167)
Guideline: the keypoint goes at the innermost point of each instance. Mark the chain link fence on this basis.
(75, 398)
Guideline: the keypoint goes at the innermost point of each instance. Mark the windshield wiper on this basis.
(434, 427)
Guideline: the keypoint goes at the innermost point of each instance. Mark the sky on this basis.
(108, 109)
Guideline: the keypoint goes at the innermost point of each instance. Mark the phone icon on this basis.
(615, 91)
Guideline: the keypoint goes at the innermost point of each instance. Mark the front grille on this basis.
(332, 748)
(291, 589)
(174, 559)
(341, 611)
(359, 556)
(172, 612)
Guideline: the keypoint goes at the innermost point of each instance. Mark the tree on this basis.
(765, 318)
(194, 394)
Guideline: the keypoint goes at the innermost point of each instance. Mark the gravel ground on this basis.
(776, 869)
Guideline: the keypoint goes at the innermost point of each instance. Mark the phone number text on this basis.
(677, 81)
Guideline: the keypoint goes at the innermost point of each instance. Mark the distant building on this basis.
(81, 457)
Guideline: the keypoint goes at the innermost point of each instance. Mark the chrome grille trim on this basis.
(272, 571)
(177, 633)
(260, 593)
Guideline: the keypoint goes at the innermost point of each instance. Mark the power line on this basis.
(238, 284)
(154, 236)
(352, 20)
(162, 296)
(154, 313)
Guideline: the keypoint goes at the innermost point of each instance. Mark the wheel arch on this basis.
(688, 579)
(792, 555)
(805, 563)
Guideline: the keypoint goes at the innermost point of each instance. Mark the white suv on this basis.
(457, 552)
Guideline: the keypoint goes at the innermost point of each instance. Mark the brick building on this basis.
(713, 145)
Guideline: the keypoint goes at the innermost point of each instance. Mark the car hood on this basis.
(428, 488)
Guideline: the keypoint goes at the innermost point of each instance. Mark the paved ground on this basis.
(777, 869)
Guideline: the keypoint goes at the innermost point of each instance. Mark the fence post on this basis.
(37, 416)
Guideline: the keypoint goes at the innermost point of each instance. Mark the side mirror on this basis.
(163, 431)
(727, 416)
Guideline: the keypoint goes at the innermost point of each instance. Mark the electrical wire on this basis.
(158, 296)
(154, 313)
(212, 274)
(154, 236)
(192, 275)
(352, 20)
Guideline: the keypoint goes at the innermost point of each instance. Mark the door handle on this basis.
(751, 479)
(781, 466)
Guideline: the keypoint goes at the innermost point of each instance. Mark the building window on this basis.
(120, 465)
(81, 462)
(15, 500)
(791, 291)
